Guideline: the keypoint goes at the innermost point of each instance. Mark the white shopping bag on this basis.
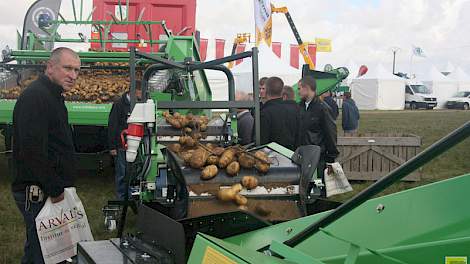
(336, 183)
(61, 226)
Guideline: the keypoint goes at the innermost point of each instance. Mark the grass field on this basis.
(96, 190)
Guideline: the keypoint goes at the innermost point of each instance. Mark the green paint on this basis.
(416, 220)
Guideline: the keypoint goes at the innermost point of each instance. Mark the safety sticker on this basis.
(456, 260)
(212, 256)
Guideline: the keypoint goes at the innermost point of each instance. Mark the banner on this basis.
(323, 44)
(240, 48)
(219, 48)
(263, 21)
(294, 55)
(277, 48)
(203, 48)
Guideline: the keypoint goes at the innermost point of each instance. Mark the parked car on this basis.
(460, 100)
(417, 95)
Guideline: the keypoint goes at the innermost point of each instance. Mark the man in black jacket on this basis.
(317, 127)
(43, 148)
(117, 122)
(279, 119)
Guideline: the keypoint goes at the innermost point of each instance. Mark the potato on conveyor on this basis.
(228, 194)
(186, 155)
(246, 161)
(187, 130)
(199, 158)
(249, 182)
(261, 167)
(187, 141)
(175, 123)
(209, 172)
(175, 147)
(218, 151)
(227, 157)
(240, 199)
(212, 160)
(233, 168)
(261, 155)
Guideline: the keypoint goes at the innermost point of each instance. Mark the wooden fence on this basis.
(371, 156)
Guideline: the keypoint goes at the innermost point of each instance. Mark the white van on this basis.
(417, 95)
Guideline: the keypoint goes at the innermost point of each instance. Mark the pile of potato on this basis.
(211, 159)
(94, 86)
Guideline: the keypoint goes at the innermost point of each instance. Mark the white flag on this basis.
(417, 51)
(263, 21)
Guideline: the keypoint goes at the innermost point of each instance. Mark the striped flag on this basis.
(263, 21)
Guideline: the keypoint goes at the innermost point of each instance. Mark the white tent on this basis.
(462, 78)
(441, 86)
(378, 89)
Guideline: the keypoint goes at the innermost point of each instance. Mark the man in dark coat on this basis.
(43, 149)
(279, 119)
(350, 114)
(317, 126)
(117, 122)
(328, 99)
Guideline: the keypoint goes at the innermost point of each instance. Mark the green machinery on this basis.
(427, 224)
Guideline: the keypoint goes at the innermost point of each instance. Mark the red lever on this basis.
(123, 140)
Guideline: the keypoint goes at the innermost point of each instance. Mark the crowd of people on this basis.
(292, 124)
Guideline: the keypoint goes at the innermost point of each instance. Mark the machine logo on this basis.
(43, 16)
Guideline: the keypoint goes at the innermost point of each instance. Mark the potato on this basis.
(226, 194)
(196, 136)
(175, 123)
(233, 168)
(186, 156)
(240, 199)
(246, 161)
(226, 158)
(199, 158)
(210, 146)
(175, 147)
(212, 160)
(176, 115)
(166, 114)
(237, 187)
(261, 155)
(187, 141)
(249, 182)
(243, 208)
(262, 167)
(203, 128)
(218, 151)
(187, 130)
(209, 172)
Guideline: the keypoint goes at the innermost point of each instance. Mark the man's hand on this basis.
(330, 169)
(113, 152)
(58, 198)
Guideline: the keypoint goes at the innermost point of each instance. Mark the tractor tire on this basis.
(466, 106)
(413, 106)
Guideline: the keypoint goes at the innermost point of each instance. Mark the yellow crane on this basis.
(239, 39)
(303, 47)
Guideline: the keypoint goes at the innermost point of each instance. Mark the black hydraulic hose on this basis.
(419, 160)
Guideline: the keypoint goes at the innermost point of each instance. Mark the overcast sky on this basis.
(361, 30)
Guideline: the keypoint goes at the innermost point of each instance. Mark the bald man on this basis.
(43, 148)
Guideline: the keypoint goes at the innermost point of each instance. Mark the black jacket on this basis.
(245, 124)
(350, 115)
(279, 122)
(117, 121)
(317, 127)
(333, 106)
(43, 150)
